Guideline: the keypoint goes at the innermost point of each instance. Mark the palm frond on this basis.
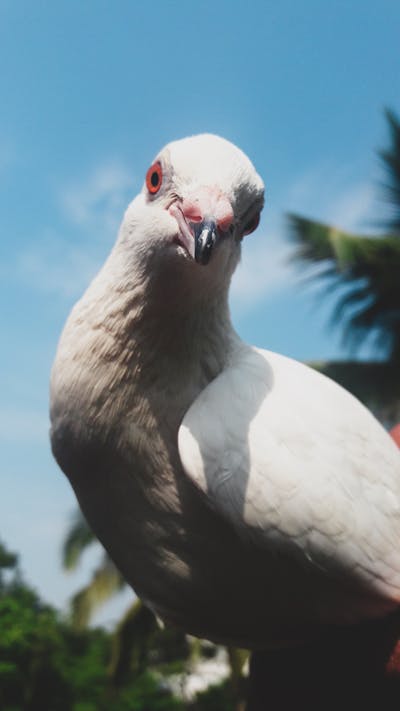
(315, 241)
(358, 295)
(391, 163)
(131, 642)
(376, 384)
(78, 538)
(237, 659)
(364, 271)
(105, 582)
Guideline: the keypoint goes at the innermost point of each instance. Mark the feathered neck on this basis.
(166, 310)
(139, 336)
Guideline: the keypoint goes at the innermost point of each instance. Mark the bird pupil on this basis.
(154, 179)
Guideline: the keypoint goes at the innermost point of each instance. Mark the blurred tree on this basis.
(8, 561)
(138, 641)
(36, 664)
(45, 664)
(106, 579)
(364, 272)
(138, 637)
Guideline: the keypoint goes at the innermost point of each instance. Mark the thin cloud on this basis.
(332, 196)
(93, 208)
(354, 209)
(96, 205)
(58, 267)
(100, 198)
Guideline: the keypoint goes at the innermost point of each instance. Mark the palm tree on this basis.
(106, 579)
(364, 273)
(138, 638)
(138, 631)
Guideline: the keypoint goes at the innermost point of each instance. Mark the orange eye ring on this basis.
(154, 178)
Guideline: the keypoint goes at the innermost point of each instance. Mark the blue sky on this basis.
(89, 93)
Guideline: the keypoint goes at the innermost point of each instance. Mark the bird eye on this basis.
(154, 178)
(252, 224)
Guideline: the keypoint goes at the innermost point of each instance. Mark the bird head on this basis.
(201, 195)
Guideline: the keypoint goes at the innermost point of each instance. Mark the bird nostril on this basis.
(192, 211)
(208, 203)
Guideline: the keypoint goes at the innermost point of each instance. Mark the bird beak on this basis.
(202, 218)
(205, 237)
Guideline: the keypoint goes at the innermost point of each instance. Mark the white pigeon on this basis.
(244, 496)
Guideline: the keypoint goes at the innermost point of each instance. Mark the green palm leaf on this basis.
(363, 271)
(376, 384)
(391, 163)
(106, 581)
(131, 642)
(78, 538)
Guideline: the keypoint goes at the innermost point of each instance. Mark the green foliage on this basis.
(30, 645)
(148, 693)
(106, 579)
(46, 664)
(138, 642)
(105, 582)
(43, 664)
(391, 163)
(78, 538)
(363, 271)
(215, 698)
(7, 559)
(376, 384)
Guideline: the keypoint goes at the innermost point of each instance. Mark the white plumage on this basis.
(246, 497)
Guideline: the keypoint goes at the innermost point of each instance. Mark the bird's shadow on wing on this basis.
(225, 446)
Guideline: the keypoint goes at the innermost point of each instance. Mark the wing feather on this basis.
(292, 459)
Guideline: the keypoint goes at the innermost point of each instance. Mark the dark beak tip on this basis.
(205, 237)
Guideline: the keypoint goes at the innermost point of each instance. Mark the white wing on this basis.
(292, 459)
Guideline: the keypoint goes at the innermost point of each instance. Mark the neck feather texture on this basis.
(139, 342)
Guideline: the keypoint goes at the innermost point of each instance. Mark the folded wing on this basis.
(295, 462)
